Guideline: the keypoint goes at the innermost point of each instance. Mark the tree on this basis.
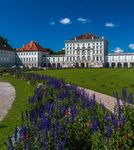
(61, 52)
(4, 42)
(51, 52)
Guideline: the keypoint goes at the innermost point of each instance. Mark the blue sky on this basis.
(51, 22)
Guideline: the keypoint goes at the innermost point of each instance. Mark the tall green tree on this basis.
(4, 42)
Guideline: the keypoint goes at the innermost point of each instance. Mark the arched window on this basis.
(88, 58)
(83, 58)
(88, 52)
(78, 58)
(83, 52)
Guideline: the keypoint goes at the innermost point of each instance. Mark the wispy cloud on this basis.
(83, 20)
(118, 50)
(65, 21)
(131, 46)
(110, 25)
(52, 23)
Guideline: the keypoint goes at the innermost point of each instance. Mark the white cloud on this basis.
(131, 46)
(52, 23)
(118, 50)
(83, 20)
(65, 21)
(110, 25)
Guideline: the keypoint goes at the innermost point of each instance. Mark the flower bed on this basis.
(62, 116)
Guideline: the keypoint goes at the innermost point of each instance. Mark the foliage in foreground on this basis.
(64, 117)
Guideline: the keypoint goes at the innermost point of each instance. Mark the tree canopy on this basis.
(51, 52)
(4, 42)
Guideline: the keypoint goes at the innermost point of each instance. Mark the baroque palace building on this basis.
(84, 51)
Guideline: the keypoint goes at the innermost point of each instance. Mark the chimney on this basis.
(30, 45)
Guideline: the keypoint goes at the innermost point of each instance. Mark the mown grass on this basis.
(99, 79)
(12, 119)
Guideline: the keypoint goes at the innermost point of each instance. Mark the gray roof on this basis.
(117, 54)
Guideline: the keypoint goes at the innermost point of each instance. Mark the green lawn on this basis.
(102, 80)
(13, 118)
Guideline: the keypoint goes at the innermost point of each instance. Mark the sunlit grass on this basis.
(102, 80)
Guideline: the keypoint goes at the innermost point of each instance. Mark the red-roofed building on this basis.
(31, 55)
(32, 46)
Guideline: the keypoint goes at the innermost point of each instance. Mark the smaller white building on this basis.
(120, 60)
(56, 61)
(7, 57)
(31, 55)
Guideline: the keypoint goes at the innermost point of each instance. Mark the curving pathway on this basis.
(7, 96)
(108, 101)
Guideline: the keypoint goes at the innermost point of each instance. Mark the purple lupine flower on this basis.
(106, 119)
(67, 120)
(10, 143)
(117, 99)
(29, 146)
(95, 125)
(52, 131)
(115, 123)
(123, 119)
(61, 145)
(45, 139)
(25, 144)
(57, 128)
(16, 134)
(124, 93)
(72, 117)
(28, 131)
(109, 132)
(130, 99)
(119, 112)
(38, 134)
(46, 122)
(92, 102)
(83, 104)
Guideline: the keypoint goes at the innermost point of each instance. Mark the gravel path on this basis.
(7, 96)
(108, 101)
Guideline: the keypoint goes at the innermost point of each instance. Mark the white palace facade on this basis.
(84, 51)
